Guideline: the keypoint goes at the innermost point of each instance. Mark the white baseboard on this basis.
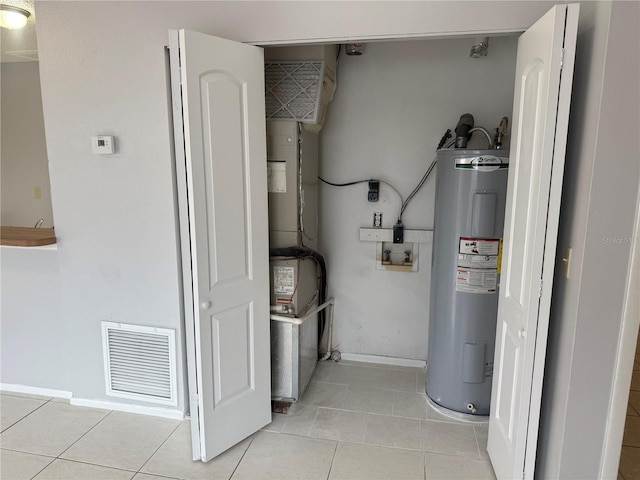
(45, 392)
(399, 362)
(125, 407)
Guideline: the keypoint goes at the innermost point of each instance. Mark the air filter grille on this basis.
(139, 362)
(292, 90)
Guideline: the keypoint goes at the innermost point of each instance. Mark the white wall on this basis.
(602, 178)
(102, 71)
(23, 153)
(391, 107)
(34, 344)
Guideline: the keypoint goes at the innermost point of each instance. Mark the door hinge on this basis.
(540, 291)
(562, 58)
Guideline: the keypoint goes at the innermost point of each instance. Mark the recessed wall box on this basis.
(103, 145)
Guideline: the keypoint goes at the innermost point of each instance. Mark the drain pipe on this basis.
(335, 356)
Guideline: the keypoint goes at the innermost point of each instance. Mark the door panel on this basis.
(223, 105)
(505, 404)
(222, 92)
(233, 330)
(541, 103)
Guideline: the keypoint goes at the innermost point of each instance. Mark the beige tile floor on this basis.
(355, 421)
(630, 457)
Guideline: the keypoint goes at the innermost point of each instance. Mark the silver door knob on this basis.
(205, 305)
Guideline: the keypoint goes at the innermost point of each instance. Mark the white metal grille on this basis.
(292, 90)
(139, 362)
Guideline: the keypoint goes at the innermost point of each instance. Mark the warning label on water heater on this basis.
(477, 261)
(476, 280)
(477, 270)
(479, 246)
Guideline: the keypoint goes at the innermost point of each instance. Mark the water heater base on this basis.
(458, 416)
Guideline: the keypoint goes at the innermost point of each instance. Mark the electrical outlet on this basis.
(377, 219)
(374, 191)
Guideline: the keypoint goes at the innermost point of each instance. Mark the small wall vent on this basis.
(140, 362)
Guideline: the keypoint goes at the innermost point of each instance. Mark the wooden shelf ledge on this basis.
(26, 236)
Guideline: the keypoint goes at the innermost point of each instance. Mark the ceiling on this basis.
(19, 45)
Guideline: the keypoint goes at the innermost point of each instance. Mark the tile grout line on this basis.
(362, 443)
(315, 418)
(333, 459)
(159, 447)
(424, 461)
(365, 387)
(366, 426)
(27, 453)
(28, 414)
(450, 422)
(404, 449)
(93, 464)
(83, 435)
(42, 469)
(475, 435)
(242, 457)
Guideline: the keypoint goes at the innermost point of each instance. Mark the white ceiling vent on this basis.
(140, 362)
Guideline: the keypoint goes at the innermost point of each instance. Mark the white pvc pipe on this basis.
(301, 320)
(329, 332)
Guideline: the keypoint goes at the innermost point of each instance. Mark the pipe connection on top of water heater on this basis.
(486, 134)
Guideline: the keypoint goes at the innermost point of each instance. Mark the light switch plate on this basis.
(103, 145)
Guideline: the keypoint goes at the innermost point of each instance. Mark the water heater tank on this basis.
(469, 220)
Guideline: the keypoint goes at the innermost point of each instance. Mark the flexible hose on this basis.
(418, 187)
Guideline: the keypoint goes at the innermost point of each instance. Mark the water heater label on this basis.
(477, 261)
(478, 246)
(476, 280)
(486, 163)
(283, 280)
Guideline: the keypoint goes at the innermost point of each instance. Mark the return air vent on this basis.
(140, 362)
(293, 90)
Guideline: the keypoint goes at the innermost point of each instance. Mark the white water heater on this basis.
(469, 220)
